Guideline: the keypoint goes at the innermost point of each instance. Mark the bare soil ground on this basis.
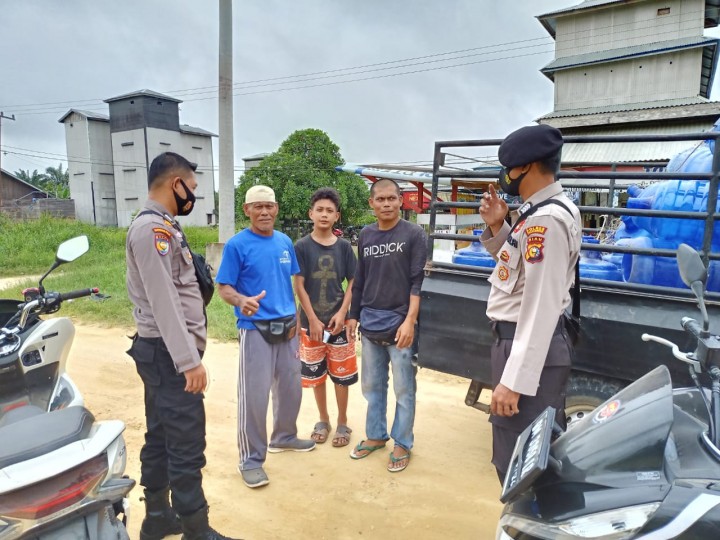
(449, 490)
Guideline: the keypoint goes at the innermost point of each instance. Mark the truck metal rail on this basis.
(455, 335)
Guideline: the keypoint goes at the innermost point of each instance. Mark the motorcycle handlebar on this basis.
(77, 294)
(692, 326)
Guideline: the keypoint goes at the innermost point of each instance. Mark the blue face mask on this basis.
(509, 185)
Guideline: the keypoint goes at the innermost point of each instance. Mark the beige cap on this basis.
(259, 194)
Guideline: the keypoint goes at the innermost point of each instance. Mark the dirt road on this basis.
(449, 490)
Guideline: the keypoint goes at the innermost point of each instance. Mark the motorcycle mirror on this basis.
(694, 275)
(71, 249)
(67, 252)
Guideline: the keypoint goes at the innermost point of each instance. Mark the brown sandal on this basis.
(342, 436)
(320, 432)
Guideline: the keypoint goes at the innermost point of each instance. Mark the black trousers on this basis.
(550, 393)
(174, 450)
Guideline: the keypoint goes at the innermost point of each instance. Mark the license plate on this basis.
(530, 457)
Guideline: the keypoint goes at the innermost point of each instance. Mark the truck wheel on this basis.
(585, 393)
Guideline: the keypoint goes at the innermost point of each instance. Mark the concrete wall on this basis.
(197, 149)
(628, 25)
(62, 208)
(130, 173)
(102, 175)
(650, 78)
(77, 142)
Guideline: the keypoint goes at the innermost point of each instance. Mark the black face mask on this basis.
(511, 186)
(184, 204)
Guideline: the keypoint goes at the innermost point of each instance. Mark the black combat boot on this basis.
(196, 527)
(160, 519)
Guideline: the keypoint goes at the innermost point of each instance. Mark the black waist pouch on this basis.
(277, 330)
(204, 277)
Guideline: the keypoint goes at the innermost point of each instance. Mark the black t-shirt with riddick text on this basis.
(324, 268)
(390, 268)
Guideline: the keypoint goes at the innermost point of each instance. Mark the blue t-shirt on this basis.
(251, 264)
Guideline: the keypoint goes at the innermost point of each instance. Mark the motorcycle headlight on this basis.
(617, 524)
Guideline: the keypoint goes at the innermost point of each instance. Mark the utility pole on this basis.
(2, 116)
(226, 173)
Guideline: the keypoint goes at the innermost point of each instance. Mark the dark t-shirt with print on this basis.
(324, 268)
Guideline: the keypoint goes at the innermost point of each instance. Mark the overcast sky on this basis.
(80, 52)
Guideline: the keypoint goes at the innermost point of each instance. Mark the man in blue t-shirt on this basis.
(255, 277)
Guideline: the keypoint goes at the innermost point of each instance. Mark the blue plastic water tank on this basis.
(592, 265)
(475, 254)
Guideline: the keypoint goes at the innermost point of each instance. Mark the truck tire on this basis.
(585, 393)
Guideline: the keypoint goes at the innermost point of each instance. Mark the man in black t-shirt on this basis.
(386, 300)
(325, 262)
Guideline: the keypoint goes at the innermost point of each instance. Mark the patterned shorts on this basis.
(336, 358)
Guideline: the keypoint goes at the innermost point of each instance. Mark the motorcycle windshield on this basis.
(623, 440)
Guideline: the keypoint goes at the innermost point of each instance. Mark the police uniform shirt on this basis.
(531, 282)
(162, 286)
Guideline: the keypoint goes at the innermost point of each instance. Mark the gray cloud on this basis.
(79, 50)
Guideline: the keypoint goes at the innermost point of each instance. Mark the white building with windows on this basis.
(109, 157)
(632, 67)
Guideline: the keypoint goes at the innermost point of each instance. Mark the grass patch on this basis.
(28, 248)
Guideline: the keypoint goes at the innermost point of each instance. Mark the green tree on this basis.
(35, 178)
(54, 180)
(305, 161)
(57, 181)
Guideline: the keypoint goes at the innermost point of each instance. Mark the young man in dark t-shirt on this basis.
(325, 262)
(386, 300)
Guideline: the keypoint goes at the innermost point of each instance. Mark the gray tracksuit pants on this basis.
(262, 368)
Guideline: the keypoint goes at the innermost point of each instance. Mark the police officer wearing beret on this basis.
(530, 286)
(167, 349)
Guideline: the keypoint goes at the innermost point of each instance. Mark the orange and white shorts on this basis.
(336, 358)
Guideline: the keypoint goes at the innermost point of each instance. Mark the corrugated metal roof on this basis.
(256, 157)
(21, 181)
(610, 55)
(626, 107)
(626, 152)
(88, 114)
(142, 93)
(184, 128)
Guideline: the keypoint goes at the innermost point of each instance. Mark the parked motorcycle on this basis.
(644, 465)
(61, 471)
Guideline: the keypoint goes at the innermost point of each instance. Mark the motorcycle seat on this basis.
(38, 434)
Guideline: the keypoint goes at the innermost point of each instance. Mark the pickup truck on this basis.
(454, 332)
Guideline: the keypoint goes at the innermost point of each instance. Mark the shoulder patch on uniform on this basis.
(162, 243)
(534, 251)
(160, 230)
(535, 229)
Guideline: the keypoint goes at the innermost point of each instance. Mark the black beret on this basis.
(530, 144)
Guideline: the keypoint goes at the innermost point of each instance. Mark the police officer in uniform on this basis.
(530, 286)
(168, 349)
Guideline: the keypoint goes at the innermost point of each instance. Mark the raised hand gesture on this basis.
(493, 209)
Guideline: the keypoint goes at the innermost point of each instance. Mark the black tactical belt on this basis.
(506, 329)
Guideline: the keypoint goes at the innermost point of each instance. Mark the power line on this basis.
(334, 83)
(35, 108)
